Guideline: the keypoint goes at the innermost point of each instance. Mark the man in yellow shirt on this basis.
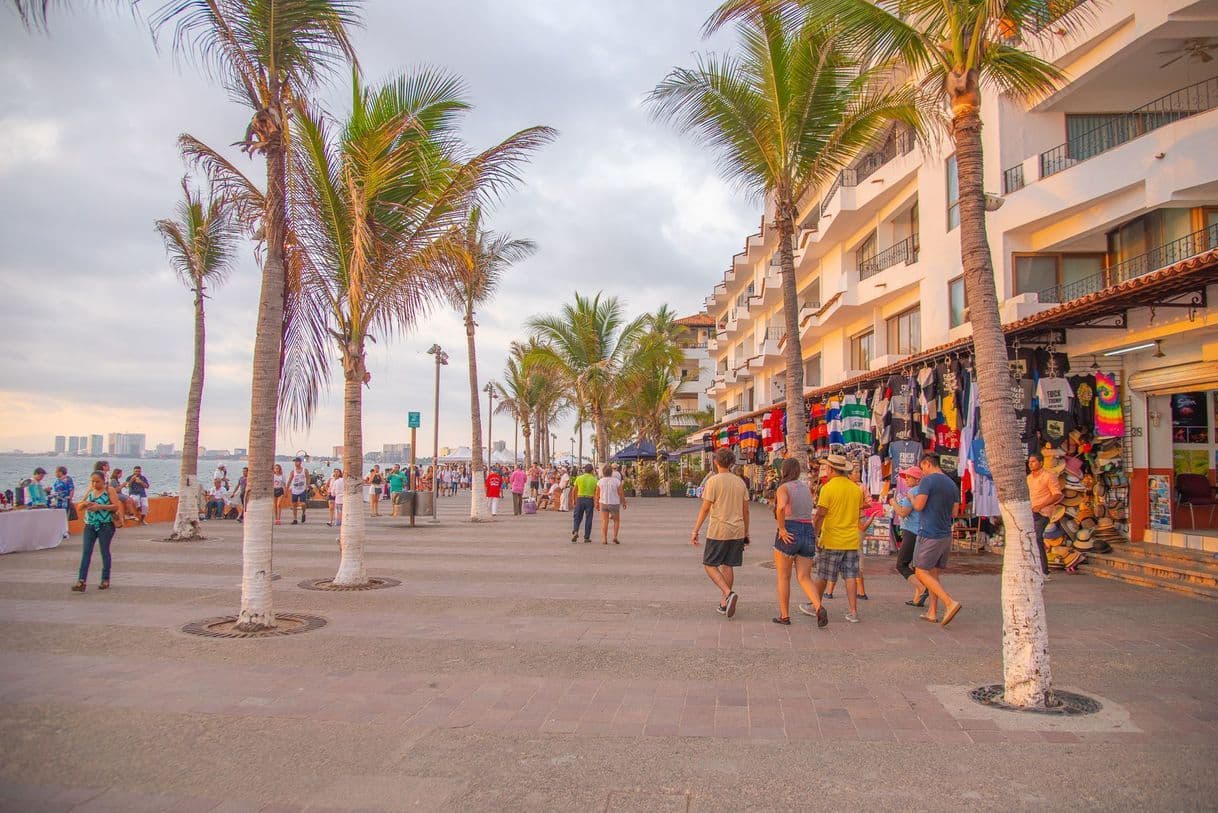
(837, 525)
(585, 503)
(725, 499)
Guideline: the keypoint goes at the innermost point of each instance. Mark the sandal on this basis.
(929, 618)
(105, 585)
(784, 620)
(920, 601)
(79, 587)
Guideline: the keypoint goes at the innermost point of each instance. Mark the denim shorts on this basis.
(803, 544)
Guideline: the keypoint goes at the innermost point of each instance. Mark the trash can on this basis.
(423, 501)
(404, 500)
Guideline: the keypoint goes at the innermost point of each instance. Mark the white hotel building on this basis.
(1109, 219)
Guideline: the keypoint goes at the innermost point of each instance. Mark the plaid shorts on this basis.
(834, 564)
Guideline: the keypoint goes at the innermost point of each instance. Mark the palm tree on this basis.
(376, 205)
(785, 115)
(479, 261)
(650, 380)
(266, 53)
(201, 243)
(520, 393)
(587, 345)
(954, 48)
(35, 13)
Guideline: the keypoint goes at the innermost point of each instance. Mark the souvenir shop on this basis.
(885, 423)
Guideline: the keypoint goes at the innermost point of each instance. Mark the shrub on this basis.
(649, 478)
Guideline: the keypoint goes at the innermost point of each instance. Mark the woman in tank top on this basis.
(795, 543)
(102, 510)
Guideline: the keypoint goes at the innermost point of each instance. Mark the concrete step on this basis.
(1204, 574)
(1097, 567)
(1149, 549)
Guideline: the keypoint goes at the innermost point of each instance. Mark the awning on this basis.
(696, 448)
(1196, 375)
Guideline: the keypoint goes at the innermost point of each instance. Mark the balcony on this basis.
(1159, 257)
(905, 252)
(769, 346)
(712, 344)
(1175, 106)
(744, 371)
(902, 144)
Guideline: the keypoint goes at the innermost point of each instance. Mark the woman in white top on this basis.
(280, 485)
(334, 494)
(609, 501)
(564, 483)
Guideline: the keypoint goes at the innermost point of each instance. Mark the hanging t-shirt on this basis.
(818, 430)
(1023, 364)
(1109, 420)
(875, 475)
(948, 374)
(928, 400)
(749, 439)
(1051, 364)
(904, 453)
(772, 434)
(1082, 410)
(900, 407)
(946, 439)
(1053, 415)
(1021, 397)
(833, 420)
(880, 426)
(856, 422)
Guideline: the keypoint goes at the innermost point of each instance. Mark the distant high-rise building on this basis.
(95, 446)
(395, 453)
(501, 446)
(82, 444)
(73, 445)
(123, 444)
(338, 452)
(61, 444)
(164, 450)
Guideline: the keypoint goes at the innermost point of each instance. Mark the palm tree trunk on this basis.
(528, 449)
(477, 485)
(257, 611)
(186, 524)
(1025, 637)
(351, 569)
(602, 439)
(580, 460)
(797, 421)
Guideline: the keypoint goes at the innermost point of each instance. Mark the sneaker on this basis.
(827, 595)
(719, 608)
(852, 618)
(574, 535)
(732, 598)
(863, 597)
(806, 609)
(822, 617)
(587, 540)
(294, 522)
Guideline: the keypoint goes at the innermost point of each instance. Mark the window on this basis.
(861, 350)
(953, 194)
(864, 255)
(956, 304)
(1058, 277)
(812, 372)
(905, 332)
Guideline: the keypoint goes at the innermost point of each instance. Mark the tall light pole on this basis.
(441, 359)
(573, 447)
(553, 443)
(489, 389)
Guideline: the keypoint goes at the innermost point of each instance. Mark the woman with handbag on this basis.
(103, 512)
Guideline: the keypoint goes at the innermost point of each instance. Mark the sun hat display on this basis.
(1055, 464)
(1074, 465)
(1058, 512)
(1052, 531)
(1070, 526)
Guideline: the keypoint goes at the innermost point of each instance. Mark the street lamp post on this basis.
(572, 448)
(553, 443)
(441, 359)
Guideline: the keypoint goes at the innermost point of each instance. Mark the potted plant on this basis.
(649, 482)
(628, 488)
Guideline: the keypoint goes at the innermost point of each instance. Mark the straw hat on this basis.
(1052, 531)
(1074, 465)
(1058, 512)
(1072, 501)
(1055, 464)
(1105, 524)
(840, 463)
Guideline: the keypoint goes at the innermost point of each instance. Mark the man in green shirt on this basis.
(585, 503)
(397, 484)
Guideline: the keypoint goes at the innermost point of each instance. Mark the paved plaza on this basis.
(512, 670)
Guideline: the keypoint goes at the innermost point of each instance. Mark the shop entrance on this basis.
(1194, 455)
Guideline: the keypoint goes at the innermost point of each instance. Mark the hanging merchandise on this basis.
(1053, 397)
(904, 454)
(874, 475)
(1052, 364)
(818, 431)
(748, 439)
(948, 374)
(900, 406)
(722, 437)
(881, 429)
(833, 421)
(772, 435)
(708, 442)
(928, 400)
(733, 434)
(856, 421)
(1109, 422)
(1082, 411)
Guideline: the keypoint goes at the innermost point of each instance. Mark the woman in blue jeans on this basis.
(100, 507)
(795, 543)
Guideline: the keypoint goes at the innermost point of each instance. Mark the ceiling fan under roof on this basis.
(1198, 49)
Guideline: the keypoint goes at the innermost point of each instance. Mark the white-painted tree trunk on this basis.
(186, 523)
(352, 571)
(1025, 632)
(256, 603)
(478, 510)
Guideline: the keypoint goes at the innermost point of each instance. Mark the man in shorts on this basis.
(936, 504)
(725, 500)
(397, 489)
(298, 488)
(516, 481)
(137, 492)
(836, 522)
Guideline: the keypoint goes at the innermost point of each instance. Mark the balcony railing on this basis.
(1159, 257)
(1051, 11)
(905, 252)
(774, 333)
(900, 144)
(1179, 104)
(1012, 179)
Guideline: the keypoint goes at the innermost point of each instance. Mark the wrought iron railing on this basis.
(1158, 257)
(905, 252)
(1179, 104)
(1051, 11)
(774, 333)
(1012, 179)
(900, 144)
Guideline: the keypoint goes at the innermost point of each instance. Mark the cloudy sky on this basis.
(99, 331)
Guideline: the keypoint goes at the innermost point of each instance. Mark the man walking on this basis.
(1046, 492)
(725, 500)
(584, 487)
(516, 481)
(936, 504)
(837, 524)
(298, 487)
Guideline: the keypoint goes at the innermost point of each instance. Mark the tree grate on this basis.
(1060, 703)
(328, 585)
(225, 626)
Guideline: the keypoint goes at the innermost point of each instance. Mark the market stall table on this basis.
(34, 529)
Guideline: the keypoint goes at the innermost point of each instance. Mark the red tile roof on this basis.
(697, 320)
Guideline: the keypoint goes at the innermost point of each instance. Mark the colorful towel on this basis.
(749, 439)
(1109, 420)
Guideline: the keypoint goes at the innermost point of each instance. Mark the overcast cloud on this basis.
(98, 329)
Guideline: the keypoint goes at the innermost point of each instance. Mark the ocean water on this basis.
(162, 474)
